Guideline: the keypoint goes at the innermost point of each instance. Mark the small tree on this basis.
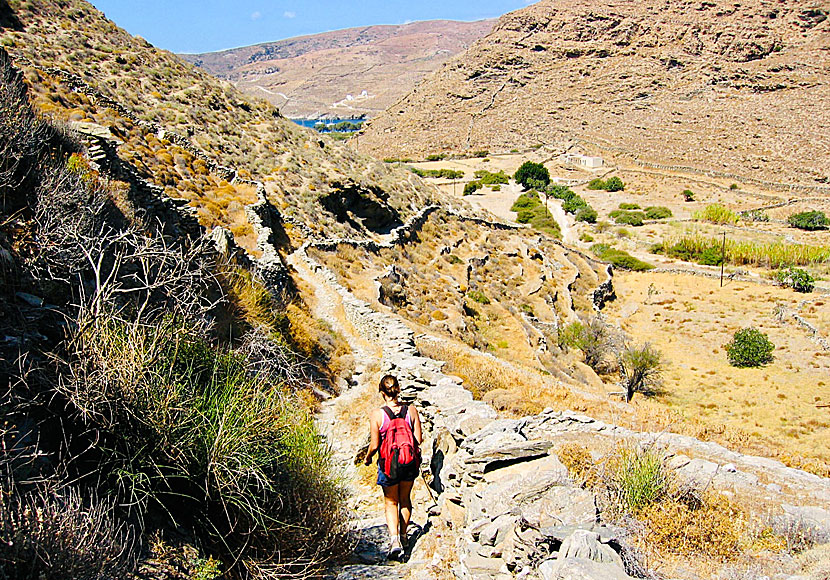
(797, 279)
(593, 339)
(749, 347)
(809, 220)
(640, 369)
(532, 171)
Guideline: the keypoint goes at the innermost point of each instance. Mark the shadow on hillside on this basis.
(363, 208)
(8, 19)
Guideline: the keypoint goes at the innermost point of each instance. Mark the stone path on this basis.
(508, 503)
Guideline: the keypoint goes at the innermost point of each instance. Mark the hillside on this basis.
(325, 75)
(734, 87)
(198, 299)
(198, 138)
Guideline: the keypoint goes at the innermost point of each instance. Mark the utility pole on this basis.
(722, 258)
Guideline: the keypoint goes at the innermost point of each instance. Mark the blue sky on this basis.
(208, 25)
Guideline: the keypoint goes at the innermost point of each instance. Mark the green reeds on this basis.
(775, 255)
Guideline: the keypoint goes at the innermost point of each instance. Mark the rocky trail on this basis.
(506, 506)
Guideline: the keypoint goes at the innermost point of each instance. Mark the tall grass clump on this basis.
(637, 478)
(192, 431)
(51, 534)
(641, 490)
(717, 214)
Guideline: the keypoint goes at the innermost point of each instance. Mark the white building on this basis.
(583, 160)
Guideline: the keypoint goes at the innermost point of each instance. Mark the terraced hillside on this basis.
(196, 137)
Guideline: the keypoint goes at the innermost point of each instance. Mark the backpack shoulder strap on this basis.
(389, 412)
(404, 410)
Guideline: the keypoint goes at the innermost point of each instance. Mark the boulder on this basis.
(557, 505)
(580, 569)
(496, 531)
(586, 544)
(504, 451)
(560, 533)
(699, 471)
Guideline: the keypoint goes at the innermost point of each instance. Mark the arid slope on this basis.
(327, 74)
(716, 85)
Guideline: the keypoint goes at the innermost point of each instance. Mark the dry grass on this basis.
(505, 386)
(767, 411)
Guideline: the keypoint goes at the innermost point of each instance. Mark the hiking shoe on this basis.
(395, 549)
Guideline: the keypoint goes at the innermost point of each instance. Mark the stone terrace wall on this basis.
(513, 508)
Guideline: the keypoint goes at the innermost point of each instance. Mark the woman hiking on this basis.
(395, 431)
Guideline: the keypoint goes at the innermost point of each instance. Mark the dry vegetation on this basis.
(297, 166)
(677, 525)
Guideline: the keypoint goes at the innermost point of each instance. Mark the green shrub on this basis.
(619, 258)
(796, 278)
(628, 218)
(531, 171)
(482, 153)
(560, 191)
(711, 256)
(544, 222)
(436, 157)
(629, 206)
(489, 178)
(495, 187)
(809, 220)
(586, 237)
(640, 369)
(524, 216)
(440, 173)
(688, 195)
(472, 187)
(530, 210)
(574, 204)
(593, 339)
(657, 212)
(478, 296)
(610, 184)
(614, 184)
(586, 214)
(717, 214)
(733, 186)
(749, 347)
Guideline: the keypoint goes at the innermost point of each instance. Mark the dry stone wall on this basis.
(513, 508)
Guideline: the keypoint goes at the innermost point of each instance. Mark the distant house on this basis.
(583, 160)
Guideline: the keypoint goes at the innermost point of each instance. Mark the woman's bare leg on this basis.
(390, 509)
(405, 502)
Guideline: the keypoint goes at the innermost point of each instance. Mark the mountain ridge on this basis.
(313, 75)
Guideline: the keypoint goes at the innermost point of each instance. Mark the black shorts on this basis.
(406, 475)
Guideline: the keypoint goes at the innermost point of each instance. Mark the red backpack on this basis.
(399, 452)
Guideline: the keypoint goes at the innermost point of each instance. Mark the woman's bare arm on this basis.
(374, 437)
(416, 424)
